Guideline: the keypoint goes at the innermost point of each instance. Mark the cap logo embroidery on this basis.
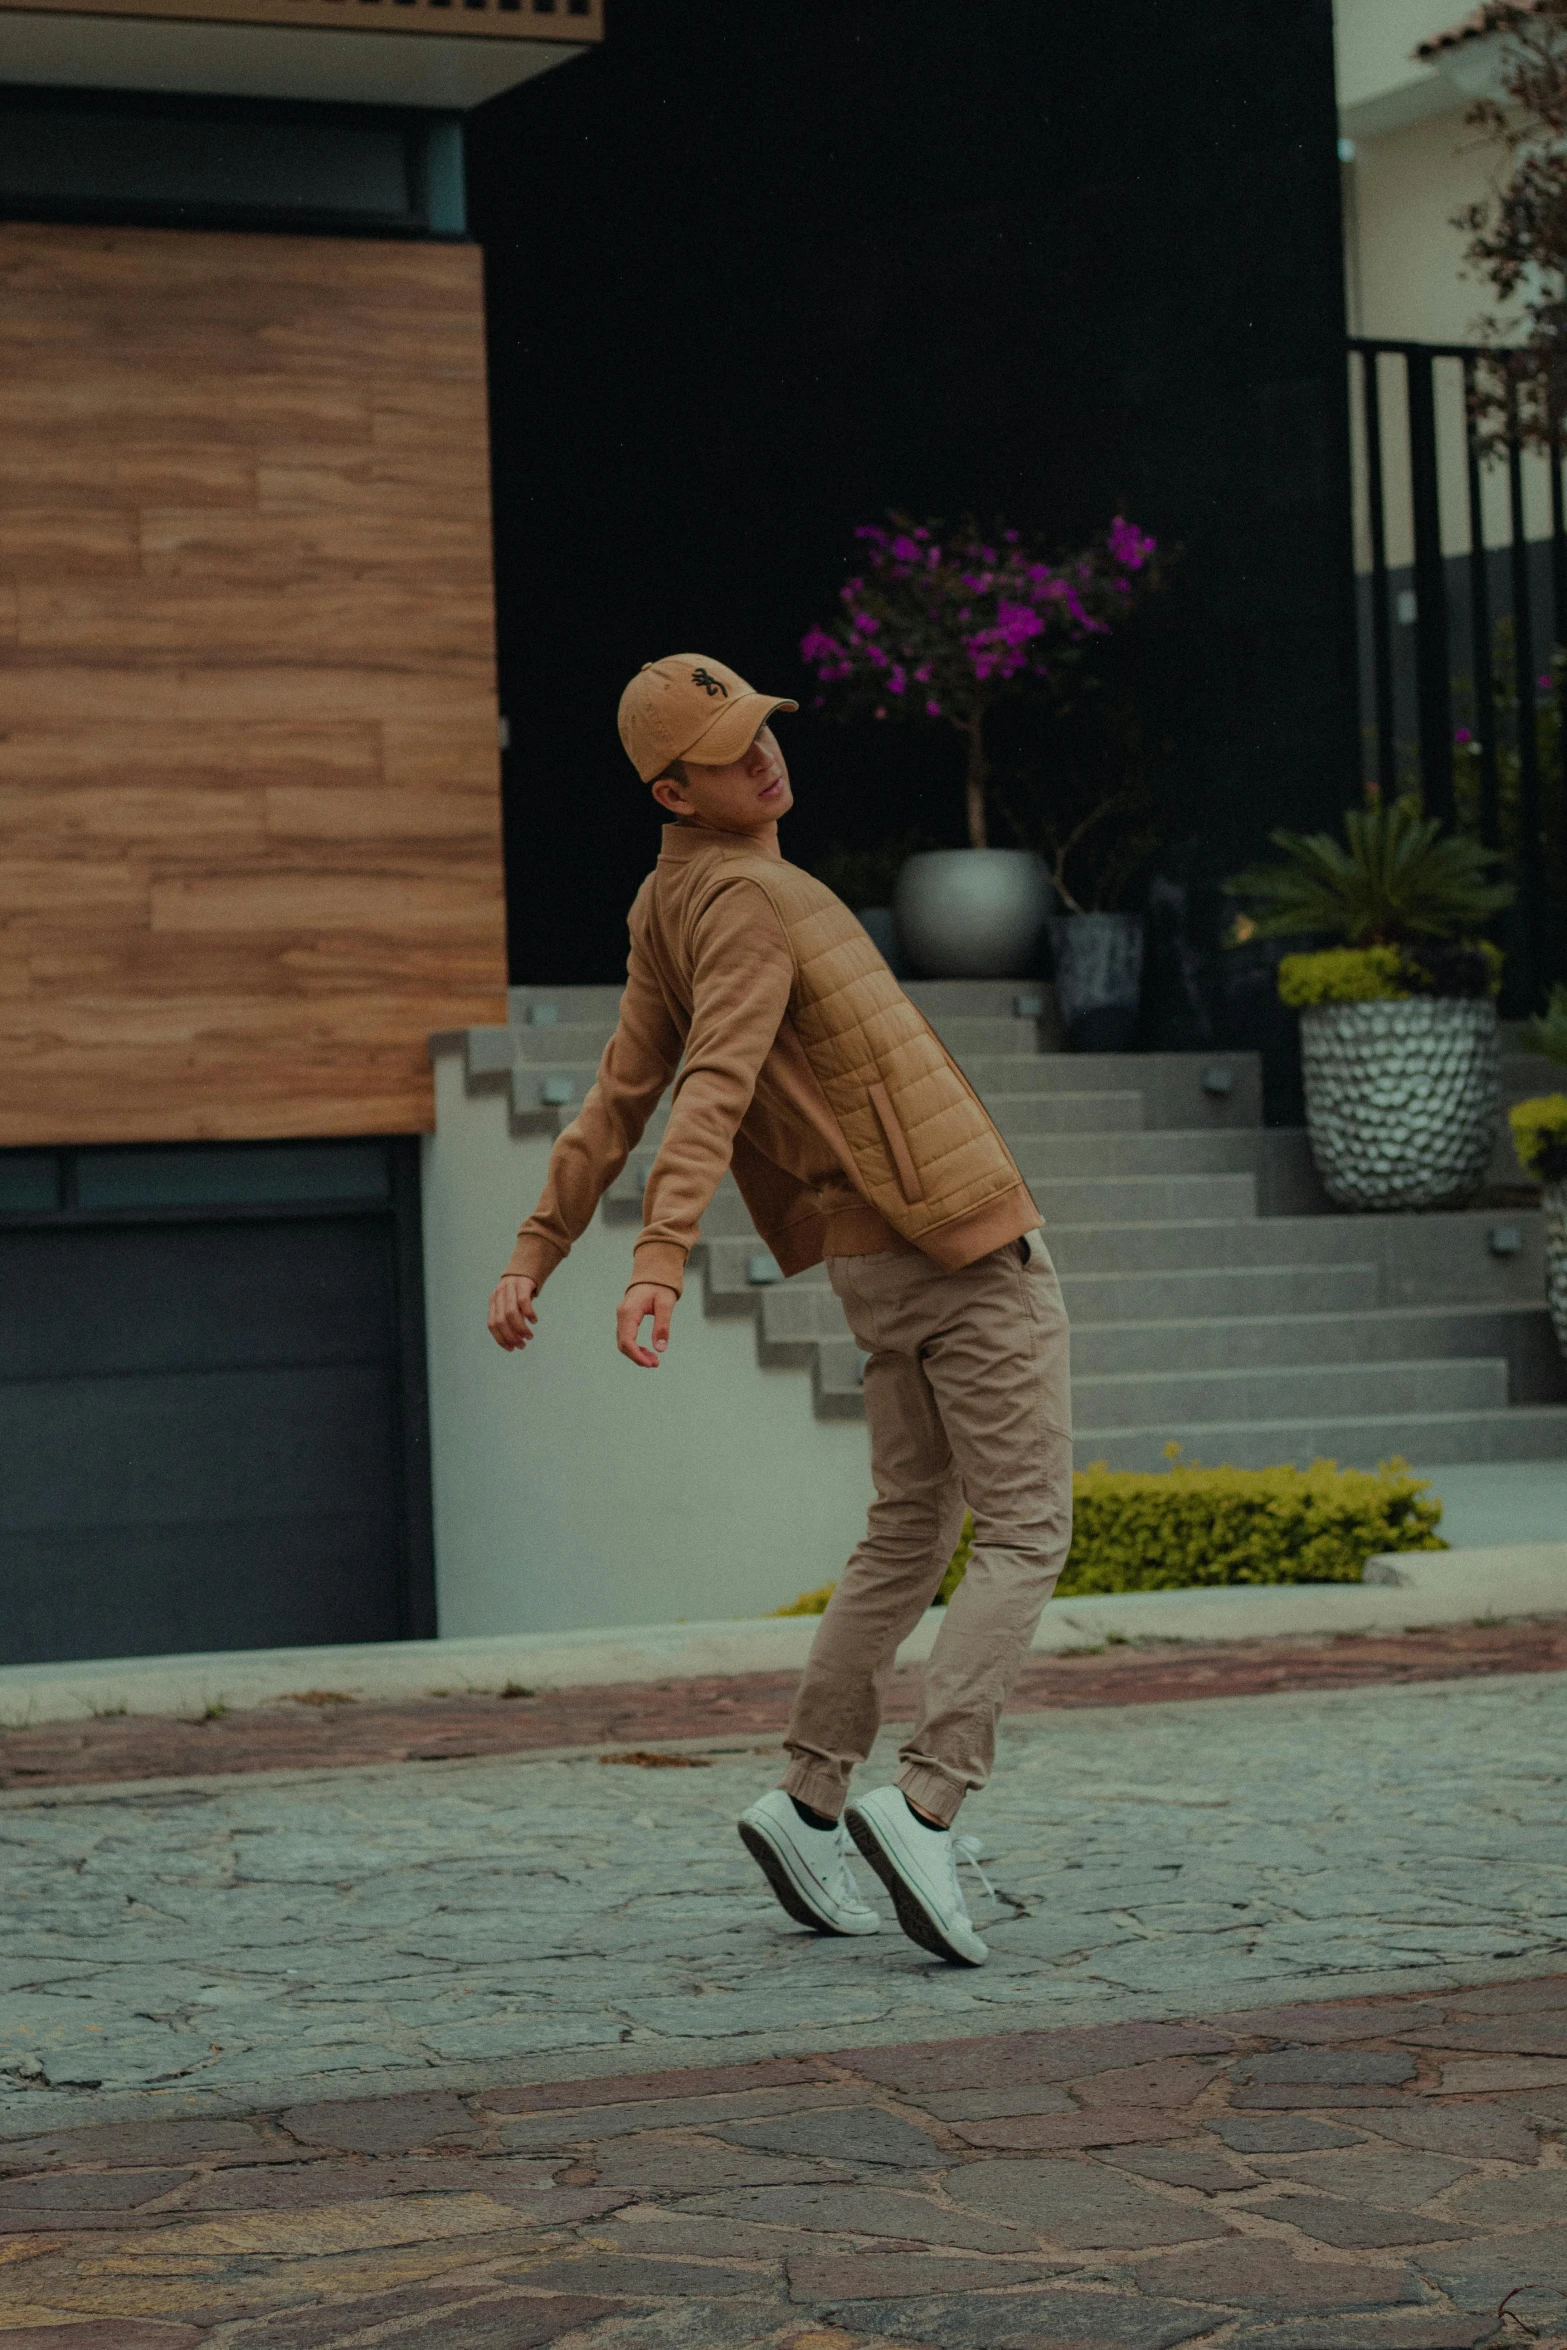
(710, 685)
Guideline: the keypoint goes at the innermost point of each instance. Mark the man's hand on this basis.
(513, 1312)
(642, 1299)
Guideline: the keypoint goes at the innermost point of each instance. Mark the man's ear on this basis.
(669, 795)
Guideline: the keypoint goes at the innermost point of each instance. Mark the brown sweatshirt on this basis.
(710, 981)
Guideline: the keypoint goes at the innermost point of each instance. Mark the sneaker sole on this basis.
(788, 1894)
(913, 1916)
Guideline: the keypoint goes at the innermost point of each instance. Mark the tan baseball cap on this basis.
(689, 707)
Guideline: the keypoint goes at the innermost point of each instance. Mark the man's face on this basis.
(748, 795)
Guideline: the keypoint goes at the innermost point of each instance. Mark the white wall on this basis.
(571, 1488)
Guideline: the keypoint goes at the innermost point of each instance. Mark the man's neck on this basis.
(765, 841)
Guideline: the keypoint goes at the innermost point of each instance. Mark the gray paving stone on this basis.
(144, 2141)
(1331, 2020)
(1025, 2059)
(1374, 2174)
(1385, 2067)
(1282, 2133)
(628, 2277)
(1356, 2227)
(868, 2211)
(118, 2190)
(381, 2125)
(590, 2125)
(1477, 2276)
(854, 2134)
(867, 2276)
(644, 2229)
(296, 2186)
(1527, 2199)
(1307, 2097)
(1414, 2329)
(471, 2316)
(652, 2166)
(1513, 1998)
(1083, 2206)
(1510, 2036)
(1485, 2133)
(1196, 2164)
(964, 2105)
(1254, 2272)
(1060, 2320)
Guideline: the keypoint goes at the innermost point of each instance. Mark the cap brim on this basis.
(734, 729)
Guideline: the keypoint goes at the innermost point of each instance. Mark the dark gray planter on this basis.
(1099, 977)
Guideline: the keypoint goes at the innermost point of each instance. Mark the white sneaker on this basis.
(808, 1868)
(919, 1867)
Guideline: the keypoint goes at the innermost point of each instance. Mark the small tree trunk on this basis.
(975, 781)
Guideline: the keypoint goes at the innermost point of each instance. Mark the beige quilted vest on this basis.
(925, 1152)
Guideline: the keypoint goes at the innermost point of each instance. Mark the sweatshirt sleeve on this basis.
(742, 979)
(638, 1062)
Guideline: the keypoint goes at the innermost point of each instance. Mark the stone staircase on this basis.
(1216, 1301)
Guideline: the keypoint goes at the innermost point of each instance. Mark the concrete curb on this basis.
(1402, 1592)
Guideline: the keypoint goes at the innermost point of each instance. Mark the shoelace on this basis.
(844, 1886)
(968, 1850)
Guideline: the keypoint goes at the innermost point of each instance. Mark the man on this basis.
(854, 1137)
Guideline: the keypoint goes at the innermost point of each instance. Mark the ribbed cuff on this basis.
(930, 1791)
(534, 1260)
(660, 1261)
(817, 1785)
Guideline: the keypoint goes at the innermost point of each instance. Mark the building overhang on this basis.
(447, 54)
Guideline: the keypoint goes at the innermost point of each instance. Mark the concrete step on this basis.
(967, 1039)
(980, 999)
(1193, 1243)
(1093, 1299)
(1171, 1084)
(1262, 1391)
(1187, 1406)
(1519, 1337)
(1144, 1199)
(599, 1005)
(1021, 1114)
(1058, 1156)
(1428, 1439)
(574, 1044)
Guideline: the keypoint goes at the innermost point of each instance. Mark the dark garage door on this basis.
(212, 1412)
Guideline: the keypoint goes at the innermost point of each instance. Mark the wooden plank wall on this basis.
(249, 792)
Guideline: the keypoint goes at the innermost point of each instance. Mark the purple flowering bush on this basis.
(940, 625)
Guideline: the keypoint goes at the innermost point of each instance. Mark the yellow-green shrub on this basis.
(1386, 975)
(1168, 1530)
(1342, 975)
(1540, 1135)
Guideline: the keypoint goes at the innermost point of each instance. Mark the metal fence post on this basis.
(1433, 679)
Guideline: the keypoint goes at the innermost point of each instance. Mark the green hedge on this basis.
(1188, 1525)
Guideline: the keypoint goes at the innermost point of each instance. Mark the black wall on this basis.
(757, 273)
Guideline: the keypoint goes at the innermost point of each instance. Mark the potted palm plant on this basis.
(1540, 1139)
(1400, 1047)
(937, 629)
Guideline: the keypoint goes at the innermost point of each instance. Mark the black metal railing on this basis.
(1460, 659)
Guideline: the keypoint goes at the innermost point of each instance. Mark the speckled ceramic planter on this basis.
(1553, 1203)
(1402, 1099)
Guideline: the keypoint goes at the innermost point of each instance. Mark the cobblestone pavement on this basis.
(268, 1938)
(321, 1726)
(1362, 2176)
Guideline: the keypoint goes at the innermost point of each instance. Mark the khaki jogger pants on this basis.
(968, 1396)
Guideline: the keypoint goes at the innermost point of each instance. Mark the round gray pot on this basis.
(1402, 1099)
(973, 913)
(1553, 1202)
(1099, 977)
